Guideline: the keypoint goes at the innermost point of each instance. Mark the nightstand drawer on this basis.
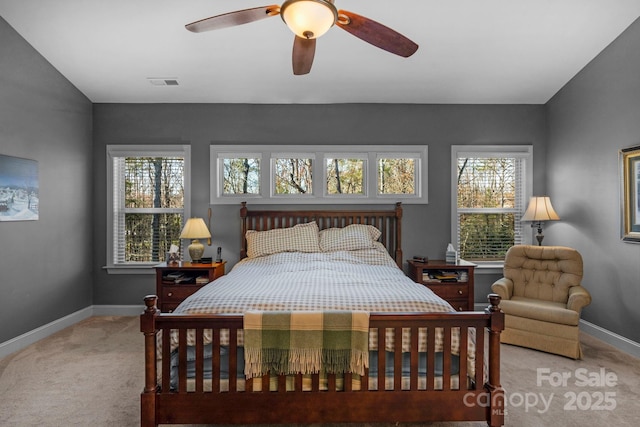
(460, 304)
(450, 290)
(177, 293)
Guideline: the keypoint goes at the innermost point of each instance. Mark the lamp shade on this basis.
(195, 228)
(540, 209)
(309, 19)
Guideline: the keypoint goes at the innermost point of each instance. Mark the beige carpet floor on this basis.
(91, 374)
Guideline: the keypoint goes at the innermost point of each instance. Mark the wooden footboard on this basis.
(447, 391)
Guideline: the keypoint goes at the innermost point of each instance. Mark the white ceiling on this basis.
(471, 51)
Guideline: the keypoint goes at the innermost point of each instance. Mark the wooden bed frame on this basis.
(479, 399)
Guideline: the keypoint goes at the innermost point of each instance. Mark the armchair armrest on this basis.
(579, 298)
(503, 287)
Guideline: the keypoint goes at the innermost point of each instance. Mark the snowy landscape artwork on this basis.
(18, 189)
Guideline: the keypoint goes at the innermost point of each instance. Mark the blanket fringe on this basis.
(259, 362)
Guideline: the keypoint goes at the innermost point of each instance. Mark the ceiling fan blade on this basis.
(231, 19)
(303, 52)
(376, 34)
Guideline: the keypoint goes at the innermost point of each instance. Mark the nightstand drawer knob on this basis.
(460, 292)
(170, 294)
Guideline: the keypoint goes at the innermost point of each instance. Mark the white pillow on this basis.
(299, 238)
(350, 238)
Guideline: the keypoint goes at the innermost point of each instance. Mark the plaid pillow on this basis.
(349, 238)
(299, 238)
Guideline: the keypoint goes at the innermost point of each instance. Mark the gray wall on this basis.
(426, 227)
(590, 119)
(46, 265)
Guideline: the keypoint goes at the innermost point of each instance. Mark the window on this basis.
(313, 174)
(345, 175)
(292, 174)
(490, 188)
(397, 175)
(147, 203)
(241, 175)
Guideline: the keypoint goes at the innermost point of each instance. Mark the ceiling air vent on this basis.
(161, 81)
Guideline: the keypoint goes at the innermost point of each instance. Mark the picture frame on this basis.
(630, 194)
(19, 189)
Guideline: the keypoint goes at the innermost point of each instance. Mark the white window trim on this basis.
(266, 154)
(523, 151)
(115, 150)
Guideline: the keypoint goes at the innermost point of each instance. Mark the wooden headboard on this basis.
(389, 222)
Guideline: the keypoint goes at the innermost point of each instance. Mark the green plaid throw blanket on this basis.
(290, 342)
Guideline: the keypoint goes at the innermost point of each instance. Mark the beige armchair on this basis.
(542, 298)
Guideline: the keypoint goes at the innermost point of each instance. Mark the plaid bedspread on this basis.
(366, 280)
(290, 342)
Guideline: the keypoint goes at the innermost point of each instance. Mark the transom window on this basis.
(345, 175)
(397, 175)
(241, 175)
(342, 174)
(292, 174)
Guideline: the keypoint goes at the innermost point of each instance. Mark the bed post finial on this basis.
(150, 303)
(494, 300)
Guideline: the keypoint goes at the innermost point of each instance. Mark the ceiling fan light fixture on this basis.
(309, 19)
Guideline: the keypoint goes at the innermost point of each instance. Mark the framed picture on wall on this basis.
(630, 193)
(19, 199)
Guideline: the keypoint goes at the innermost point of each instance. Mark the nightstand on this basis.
(176, 282)
(452, 282)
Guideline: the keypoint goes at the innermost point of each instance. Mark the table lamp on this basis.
(195, 229)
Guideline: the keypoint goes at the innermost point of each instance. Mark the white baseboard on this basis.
(618, 341)
(28, 338)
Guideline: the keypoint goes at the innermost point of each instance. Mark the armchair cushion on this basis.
(547, 311)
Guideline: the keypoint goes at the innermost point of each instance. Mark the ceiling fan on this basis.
(310, 19)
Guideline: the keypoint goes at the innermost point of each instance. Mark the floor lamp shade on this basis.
(195, 229)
